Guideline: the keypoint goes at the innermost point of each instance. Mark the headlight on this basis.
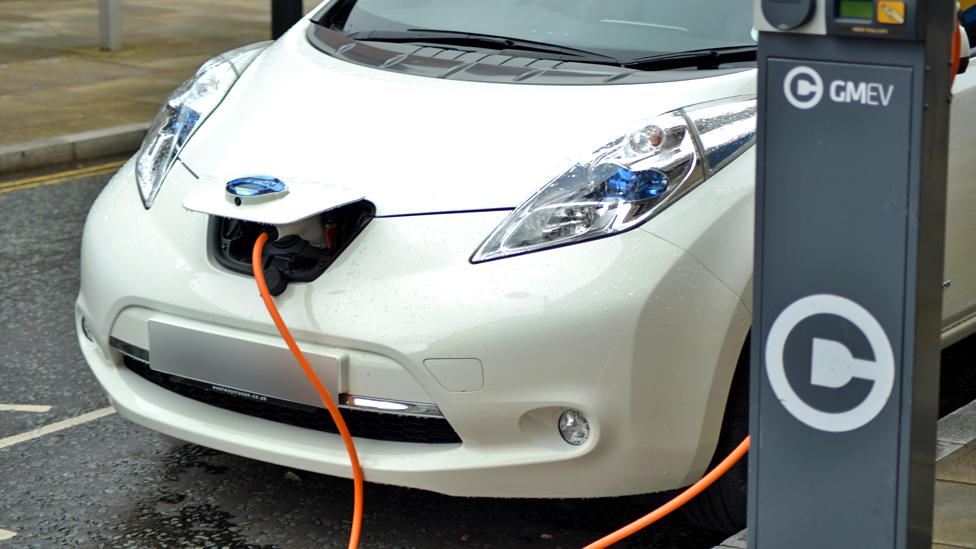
(183, 112)
(629, 180)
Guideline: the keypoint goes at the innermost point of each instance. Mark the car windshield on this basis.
(619, 28)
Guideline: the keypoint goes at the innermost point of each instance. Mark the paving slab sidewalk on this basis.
(55, 82)
(954, 526)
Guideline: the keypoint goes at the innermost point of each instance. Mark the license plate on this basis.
(236, 363)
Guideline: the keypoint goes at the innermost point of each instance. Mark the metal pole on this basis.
(110, 25)
(284, 14)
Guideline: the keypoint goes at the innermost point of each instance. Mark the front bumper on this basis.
(630, 330)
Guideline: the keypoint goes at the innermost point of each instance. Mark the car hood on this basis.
(414, 144)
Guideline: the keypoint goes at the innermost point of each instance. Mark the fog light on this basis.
(86, 329)
(573, 427)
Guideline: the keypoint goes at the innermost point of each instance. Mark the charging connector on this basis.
(297, 252)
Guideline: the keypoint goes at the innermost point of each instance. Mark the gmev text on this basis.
(865, 93)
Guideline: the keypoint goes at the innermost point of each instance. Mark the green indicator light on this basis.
(857, 9)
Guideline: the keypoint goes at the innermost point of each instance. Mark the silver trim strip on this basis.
(129, 350)
(387, 406)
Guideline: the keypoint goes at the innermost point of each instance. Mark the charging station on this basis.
(850, 220)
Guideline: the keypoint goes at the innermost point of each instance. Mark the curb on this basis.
(738, 541)
(72, 147)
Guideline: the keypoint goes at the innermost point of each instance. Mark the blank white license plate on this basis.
(237, 363)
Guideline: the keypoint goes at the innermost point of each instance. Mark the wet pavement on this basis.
(54, 80)
(111, 483)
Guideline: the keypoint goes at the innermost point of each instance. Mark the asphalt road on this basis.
(110, 483)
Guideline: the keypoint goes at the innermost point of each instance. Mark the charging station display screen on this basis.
(857, 9)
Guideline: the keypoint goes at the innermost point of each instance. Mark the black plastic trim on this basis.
(449, 212)
(362, 424)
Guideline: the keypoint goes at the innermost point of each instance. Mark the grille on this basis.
(362, 424)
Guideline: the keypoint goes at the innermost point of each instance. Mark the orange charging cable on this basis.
(357, 472)
(677, 502)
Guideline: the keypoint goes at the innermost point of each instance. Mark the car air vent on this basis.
(362, 424)
(481, 65)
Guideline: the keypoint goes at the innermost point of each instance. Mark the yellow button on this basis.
(891, 12)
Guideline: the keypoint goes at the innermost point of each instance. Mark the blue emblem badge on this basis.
(256, 188)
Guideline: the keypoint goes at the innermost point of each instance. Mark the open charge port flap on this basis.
(298, 252)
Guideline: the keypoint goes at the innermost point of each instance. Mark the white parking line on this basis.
(35, 408)
(56, 426)
(6, 534)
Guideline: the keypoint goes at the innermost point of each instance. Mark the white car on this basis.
(514, 237)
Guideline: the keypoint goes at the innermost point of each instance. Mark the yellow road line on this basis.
(56, 181)
(59, 175)
(56, 426)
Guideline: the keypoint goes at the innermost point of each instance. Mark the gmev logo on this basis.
(804, 89)
(831, 364)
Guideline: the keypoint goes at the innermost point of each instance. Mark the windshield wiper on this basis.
(489, 41)
(710, 58)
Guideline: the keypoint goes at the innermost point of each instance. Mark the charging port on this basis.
(296, 253)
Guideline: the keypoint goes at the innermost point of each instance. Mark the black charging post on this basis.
(850, 221)
(284, 14)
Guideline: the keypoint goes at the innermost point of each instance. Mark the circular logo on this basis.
(256, 185)
(803, 87)
(832, 364)
(254, 189)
